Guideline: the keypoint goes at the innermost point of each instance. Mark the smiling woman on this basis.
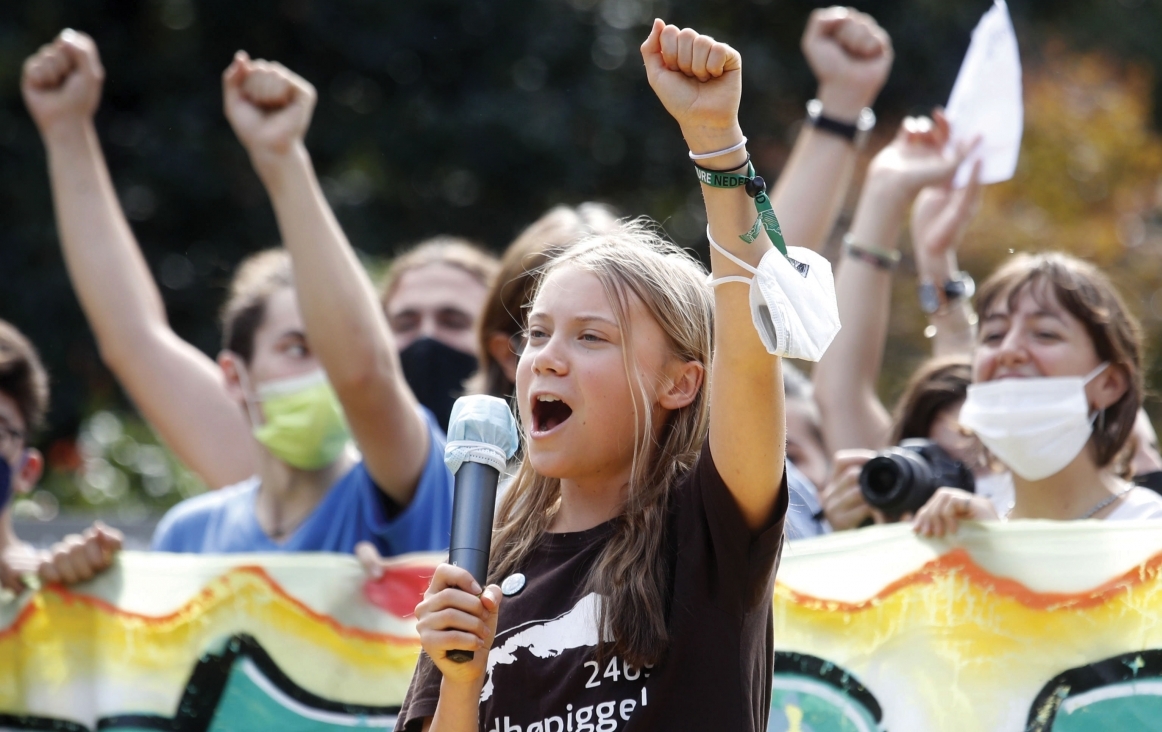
(1057, 384)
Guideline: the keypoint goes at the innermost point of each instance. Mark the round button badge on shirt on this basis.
(512, 584)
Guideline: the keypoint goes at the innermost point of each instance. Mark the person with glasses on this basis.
(23, 404)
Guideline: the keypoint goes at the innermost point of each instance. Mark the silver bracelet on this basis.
(732, 148)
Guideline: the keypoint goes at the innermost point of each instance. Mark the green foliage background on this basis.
(466, 117)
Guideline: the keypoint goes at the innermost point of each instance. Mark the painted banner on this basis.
(1049, 627)
(230, 642)
(1031, 625)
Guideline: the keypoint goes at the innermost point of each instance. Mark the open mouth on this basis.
(549, 412)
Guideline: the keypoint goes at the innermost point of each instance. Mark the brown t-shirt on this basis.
(716, 674)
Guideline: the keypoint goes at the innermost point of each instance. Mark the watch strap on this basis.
(936, 298)
(855, 132)
(835, 127)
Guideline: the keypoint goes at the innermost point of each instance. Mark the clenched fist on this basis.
(61, 82)
(79, 557)
(850, 55)
(457, 614)
(268, 106)
(699, 82)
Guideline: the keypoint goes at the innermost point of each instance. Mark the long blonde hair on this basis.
(633, 572)
(524, 259)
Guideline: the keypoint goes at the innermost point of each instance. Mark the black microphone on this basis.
(482, 437)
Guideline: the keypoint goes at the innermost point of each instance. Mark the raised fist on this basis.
(850, 55)
(698, 80)
(268, 106)
(61, 82)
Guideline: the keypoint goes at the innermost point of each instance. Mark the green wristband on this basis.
(766, 215)
(718, 179)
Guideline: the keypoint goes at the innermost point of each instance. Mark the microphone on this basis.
(482, 437)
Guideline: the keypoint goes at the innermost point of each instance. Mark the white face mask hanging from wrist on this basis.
(792, 300)
(1034, 426)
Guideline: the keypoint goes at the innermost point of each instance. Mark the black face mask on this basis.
(436, 374)
(5, 483)
(1151, 480)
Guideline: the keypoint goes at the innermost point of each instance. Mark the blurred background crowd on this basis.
(473, 118)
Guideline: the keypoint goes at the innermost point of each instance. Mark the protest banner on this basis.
(1035, 625)
(1025, 626)
(228, 642)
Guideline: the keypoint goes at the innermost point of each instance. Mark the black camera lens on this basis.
(896, 482)
(901, 479)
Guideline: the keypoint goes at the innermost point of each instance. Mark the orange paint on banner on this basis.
(958, 561)
(208, 594)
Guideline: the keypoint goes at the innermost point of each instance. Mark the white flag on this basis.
(986, 99)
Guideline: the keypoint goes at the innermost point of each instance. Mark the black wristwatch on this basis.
(857, 132)
(933, 299)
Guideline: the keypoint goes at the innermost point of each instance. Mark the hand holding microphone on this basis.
(457, 616)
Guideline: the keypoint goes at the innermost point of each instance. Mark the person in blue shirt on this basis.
(271, 423)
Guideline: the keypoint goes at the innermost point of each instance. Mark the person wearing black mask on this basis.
(432, 297)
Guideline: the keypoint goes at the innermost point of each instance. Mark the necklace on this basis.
(1106, 502)
(1089, 514)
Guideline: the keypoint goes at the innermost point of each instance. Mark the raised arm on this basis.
(178, 388)
(845, 378)
(939, 219)
(850, 56)
(270, 110)
(699, 81)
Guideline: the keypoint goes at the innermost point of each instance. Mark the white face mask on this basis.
(1034, 426)
(792, 301)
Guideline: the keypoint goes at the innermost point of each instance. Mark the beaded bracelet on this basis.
(878, 258)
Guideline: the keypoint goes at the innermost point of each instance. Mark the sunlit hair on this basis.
(632, 573)
(451, 251)
(535, 247)
(1088, 295)
(257, 278)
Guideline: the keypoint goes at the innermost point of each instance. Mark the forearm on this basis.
(458, 709)
(346, 328)
(812, 186)
(340, 309)
(845, 378)
(8, 538)
(954, 324)
(176, 387)
(108, 272)
(747, 416)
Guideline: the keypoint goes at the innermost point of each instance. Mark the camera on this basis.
(901, 479)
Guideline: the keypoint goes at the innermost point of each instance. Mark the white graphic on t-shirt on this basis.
(575, 629)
